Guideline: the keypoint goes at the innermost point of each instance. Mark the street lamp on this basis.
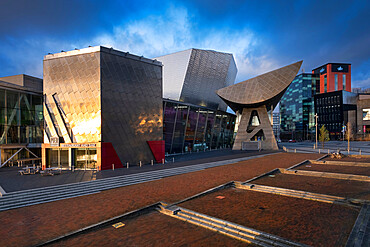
(316, 117)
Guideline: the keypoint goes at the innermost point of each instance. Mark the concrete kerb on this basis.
(111, 221)
(360, 231)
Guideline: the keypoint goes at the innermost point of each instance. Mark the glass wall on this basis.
(21, 117)
(191, 128)
(297, 110)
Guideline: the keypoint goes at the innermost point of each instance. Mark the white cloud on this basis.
(365, 83)
(176, 30)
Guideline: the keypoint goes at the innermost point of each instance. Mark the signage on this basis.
(320, 71)
(54, 142)
(339, 68)
(118, 225)
(77, 145)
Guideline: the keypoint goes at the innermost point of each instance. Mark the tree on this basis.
(349, 134)
(324, 135)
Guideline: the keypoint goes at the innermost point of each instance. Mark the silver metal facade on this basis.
(205, 72)
(131, 93)
(102, 95)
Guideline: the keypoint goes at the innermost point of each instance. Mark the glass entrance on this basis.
(85, 158)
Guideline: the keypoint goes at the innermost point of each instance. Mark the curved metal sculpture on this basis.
(252, 99)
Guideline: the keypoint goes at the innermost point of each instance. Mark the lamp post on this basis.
(316, 117)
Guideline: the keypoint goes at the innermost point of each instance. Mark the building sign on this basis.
(339, 68)
(54, 142)
(77, 145)
(320, 71)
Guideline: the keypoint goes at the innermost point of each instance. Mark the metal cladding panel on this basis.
(261, 89)
(174, 70)
(76, 81)
(131, 106)
(207, 72)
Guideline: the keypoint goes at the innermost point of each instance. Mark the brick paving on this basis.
(300, 220)
(153, 229)
(39, 223)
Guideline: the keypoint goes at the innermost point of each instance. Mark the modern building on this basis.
(21, 117)
(363, 116)
(102, 108)
(276, 124)
(194, 75)
(297, 108)
(253, 99)
(334, 110)
(195, 118)
(334, 77)
(189, 127)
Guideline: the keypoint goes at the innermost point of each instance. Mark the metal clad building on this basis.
(101, 108)
(193, 76)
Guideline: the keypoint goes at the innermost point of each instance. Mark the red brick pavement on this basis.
(39, 223)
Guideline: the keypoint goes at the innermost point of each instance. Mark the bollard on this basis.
(163, 161)
(328, 151)
(73, 168)
(113, 167)
(173, 160)
(360, 151)
(127, 165)
(295, 150)
(151, 162)
(319, 150)
(140, 163)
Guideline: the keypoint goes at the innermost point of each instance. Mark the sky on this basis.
(262, 35)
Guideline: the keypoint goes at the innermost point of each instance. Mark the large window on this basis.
(336, 81)
(325, 84)
(344, 82)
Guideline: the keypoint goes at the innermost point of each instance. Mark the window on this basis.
(366, 114)
(336, 81)
(344, 82)
(325, 84)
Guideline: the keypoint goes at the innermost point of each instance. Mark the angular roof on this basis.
(265, 89)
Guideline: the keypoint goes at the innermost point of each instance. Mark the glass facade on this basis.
(297, 108)
(21, 117)
(325, 84)
(344, 82)
(336, 81)
(188, 128)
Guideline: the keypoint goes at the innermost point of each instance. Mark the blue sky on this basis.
(262, 35)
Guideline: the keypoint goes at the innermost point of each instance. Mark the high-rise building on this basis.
(297, 108)
(334, 77)
(276, 124)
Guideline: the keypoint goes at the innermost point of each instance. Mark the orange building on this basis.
(334, 77)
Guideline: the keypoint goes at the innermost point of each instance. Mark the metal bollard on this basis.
(173, 160)
(127, 165)
(295, 150)
(360, 151)
(163, 161)
(151, 162)
(328, 151)
(140, 163)
(113, 167)
(319, 150)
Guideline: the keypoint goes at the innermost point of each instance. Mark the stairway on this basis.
(230, 229)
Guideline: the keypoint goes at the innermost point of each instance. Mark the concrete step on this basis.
(300, 194)
(243, 233)
(327, 175)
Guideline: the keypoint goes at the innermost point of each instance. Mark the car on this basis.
(291, 140)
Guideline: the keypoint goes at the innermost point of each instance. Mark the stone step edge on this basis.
(301, 194)
(271, 240)
(339, 163)
(326, 175)
(360, 229)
